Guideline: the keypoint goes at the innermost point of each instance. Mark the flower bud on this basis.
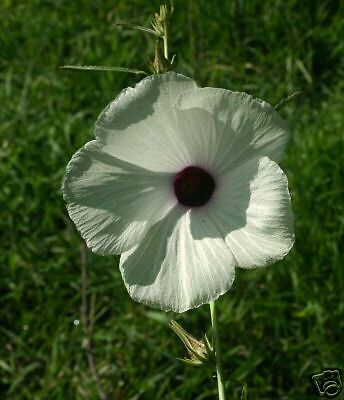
(199, 351)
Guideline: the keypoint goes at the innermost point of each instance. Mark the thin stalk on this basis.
(216, 345)
(165, 38)
(87, 323)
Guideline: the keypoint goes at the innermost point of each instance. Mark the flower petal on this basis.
(182, 264)
(140, 125)
(199, 136)
(245, 127)
(252, 211)
(113, 203)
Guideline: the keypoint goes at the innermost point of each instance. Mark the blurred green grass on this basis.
(278, 325)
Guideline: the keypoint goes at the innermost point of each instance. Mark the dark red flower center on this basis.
(193, 186)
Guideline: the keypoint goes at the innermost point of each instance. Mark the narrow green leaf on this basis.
(193, 363)
(139, 28)
(244, 392)
(286, 100)
(171, 7)
(158, 316)
(5, 366)
(304, 71)
(104, 68)
(208, 346)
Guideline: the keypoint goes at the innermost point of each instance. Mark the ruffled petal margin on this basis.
(182, 264)
(245, 127)
(252, 210)
(111, 202)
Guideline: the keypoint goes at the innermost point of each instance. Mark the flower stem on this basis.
(165, 38)
(216, 345)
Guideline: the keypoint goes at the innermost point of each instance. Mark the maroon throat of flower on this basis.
(193, 186)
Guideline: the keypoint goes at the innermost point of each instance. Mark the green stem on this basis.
(216, 345)
(165, 41)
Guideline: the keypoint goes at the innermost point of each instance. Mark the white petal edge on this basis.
(252, 211)
(140, 125)
(182, 263)
(245, 127)
(111, 202)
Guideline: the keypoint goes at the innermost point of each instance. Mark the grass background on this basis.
(278, 325)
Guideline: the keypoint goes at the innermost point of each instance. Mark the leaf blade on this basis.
(103, 68)
(139, 28)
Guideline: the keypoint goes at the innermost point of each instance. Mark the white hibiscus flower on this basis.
(183, 182)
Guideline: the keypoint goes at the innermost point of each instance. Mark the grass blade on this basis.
(104, 68)
(139, 28)
(244, 392)
(286, 100)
